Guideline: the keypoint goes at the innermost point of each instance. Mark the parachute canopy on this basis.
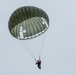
(28, 22)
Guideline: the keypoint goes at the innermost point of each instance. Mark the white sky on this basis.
(59, 54)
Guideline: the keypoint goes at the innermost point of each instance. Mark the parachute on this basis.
(28, 22)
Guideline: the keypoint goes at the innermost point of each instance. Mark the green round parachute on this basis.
(28, 22)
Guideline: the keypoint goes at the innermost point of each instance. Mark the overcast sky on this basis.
(59, 54)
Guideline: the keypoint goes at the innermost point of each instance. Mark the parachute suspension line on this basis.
(25, 48)
(43, 45)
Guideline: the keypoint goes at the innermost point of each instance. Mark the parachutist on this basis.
(38, 63)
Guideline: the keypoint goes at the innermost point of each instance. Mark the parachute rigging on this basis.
(27, 23)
